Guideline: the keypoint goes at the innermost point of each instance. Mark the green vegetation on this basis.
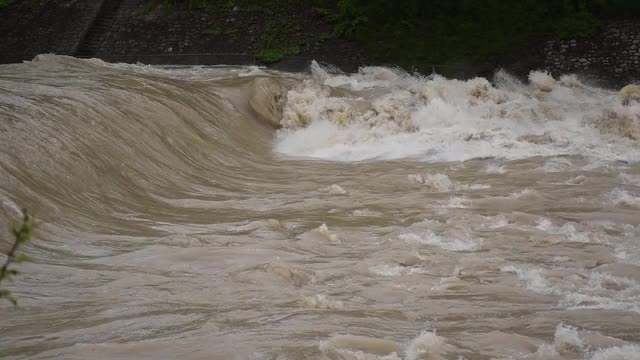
(21, 234)
(276, 42)
(462, 31)
(272, 55)
(4, 3)
(277, 25)
(413, 32)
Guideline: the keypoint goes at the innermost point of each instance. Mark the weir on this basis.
(239, 212)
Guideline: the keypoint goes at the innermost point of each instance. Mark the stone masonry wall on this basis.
(35, 27)
(233, 34)
(139, 31)
(612, 55)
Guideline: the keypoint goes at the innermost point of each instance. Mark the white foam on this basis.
(251, 71)
(597, 290)
(459, 241)
(426, 346)
(324, 231)
(416, 178)
(544, 224)
(627, 352)
(567, 339)
(604, 291)
(495, 169)
(572, 232)
(532, 278)
(546, 352)
(627, 247)
(495, 222)
(334, 189)
(571, 343)
(621, 198)
(365, 212)
(322, 301)
(458, 202)
(527, 194)
(576, 180)
(437, 182)
(542, 81)
(556, 165)
(387, 114)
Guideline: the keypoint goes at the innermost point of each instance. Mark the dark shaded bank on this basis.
(32, 27)
(282, 35)
(287, 35)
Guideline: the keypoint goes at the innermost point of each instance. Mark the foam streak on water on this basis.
(243, 213)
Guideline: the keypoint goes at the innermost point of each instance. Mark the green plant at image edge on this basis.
(21, 233)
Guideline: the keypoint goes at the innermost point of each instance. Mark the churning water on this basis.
(239, 213)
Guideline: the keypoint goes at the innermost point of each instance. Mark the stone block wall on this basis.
(139, 31)
(35, 27)
(612, 55)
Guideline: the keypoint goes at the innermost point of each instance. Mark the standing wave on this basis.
(82, 140)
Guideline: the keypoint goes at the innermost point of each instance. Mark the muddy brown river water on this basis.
(241, 213)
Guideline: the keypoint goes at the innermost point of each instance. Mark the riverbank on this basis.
(288, 35)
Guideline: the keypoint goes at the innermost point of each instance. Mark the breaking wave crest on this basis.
(382, 113)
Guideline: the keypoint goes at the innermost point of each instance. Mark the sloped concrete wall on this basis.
(35, 27)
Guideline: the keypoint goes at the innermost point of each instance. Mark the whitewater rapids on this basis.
(242, 213)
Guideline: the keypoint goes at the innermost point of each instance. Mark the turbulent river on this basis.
(242, 213)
